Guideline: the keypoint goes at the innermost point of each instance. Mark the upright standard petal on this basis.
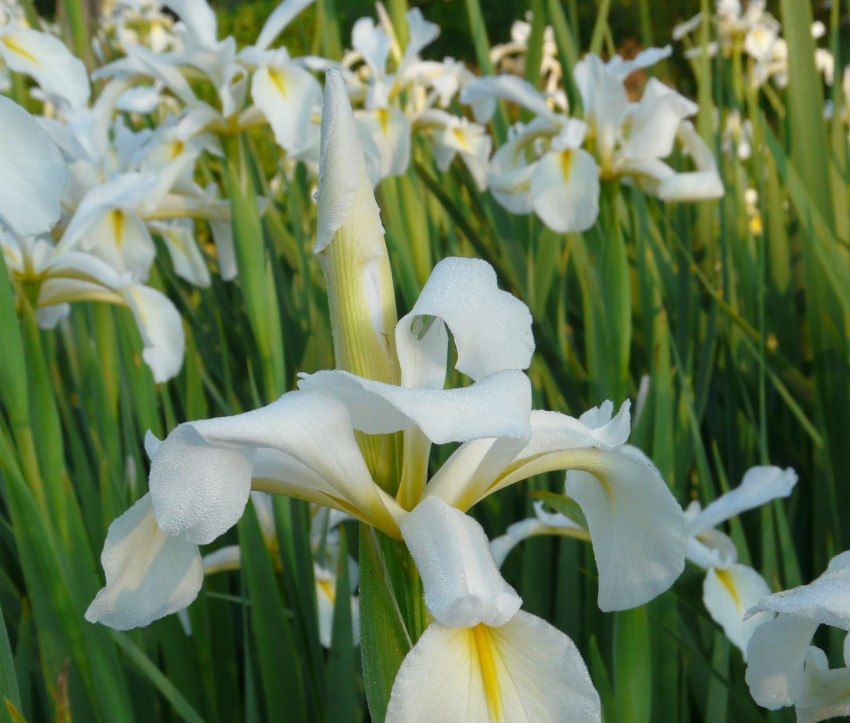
(525, 671)
(148, 574)
(32, 173)
(491, 328)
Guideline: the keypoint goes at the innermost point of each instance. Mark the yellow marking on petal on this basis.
(461, 138)
(175, 148)
(384, 119)
(326, 586)
(117, 216)
(482, 637)
(15, 48)
(279, 81)
(726, 579)
(566, 163)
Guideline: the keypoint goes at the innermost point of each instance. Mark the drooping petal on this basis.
(48, 61)
(775, 660)
(565, 190)
(189, 263)
(148, 574)
(760, 485)
(161, 328)
(288, 96)
(728, 593)
(463, 586)
(497, 406)
(491, 328)
(638, 532)
(32, 173)
(523, 671)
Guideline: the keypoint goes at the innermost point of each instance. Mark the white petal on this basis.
(225, 558)
(280, 17)
(826, 693)
(704, 183)
(463, 586)
(189, 262)
(824, 600)
(32, 173)
(288, 96)
(565, 190)
(775, 659)
(198, 17)
(201, 474)
(372, 43)
(712, 548)
(531, 671)
(509, 87)
(491, 328)
(637, 529)
(728, 594)
(421, 33)
(161, 328)
(655, 120)
(389, 131)
(516, 533)
(48, 61)
(148, 573)
(760, 485)
(496, 406)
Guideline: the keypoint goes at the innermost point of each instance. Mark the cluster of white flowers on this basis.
(753, 30)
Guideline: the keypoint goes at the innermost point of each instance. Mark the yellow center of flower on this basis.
(483, 640)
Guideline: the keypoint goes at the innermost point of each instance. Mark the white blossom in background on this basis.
(66, 275)
(553, 164)
(730, 588)
(750, 29)
(510, 57)
(783, 668)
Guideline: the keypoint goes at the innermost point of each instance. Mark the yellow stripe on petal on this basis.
(566, 163)
(726, 579)
(487, 655)
(279, 82)
(15, 48)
